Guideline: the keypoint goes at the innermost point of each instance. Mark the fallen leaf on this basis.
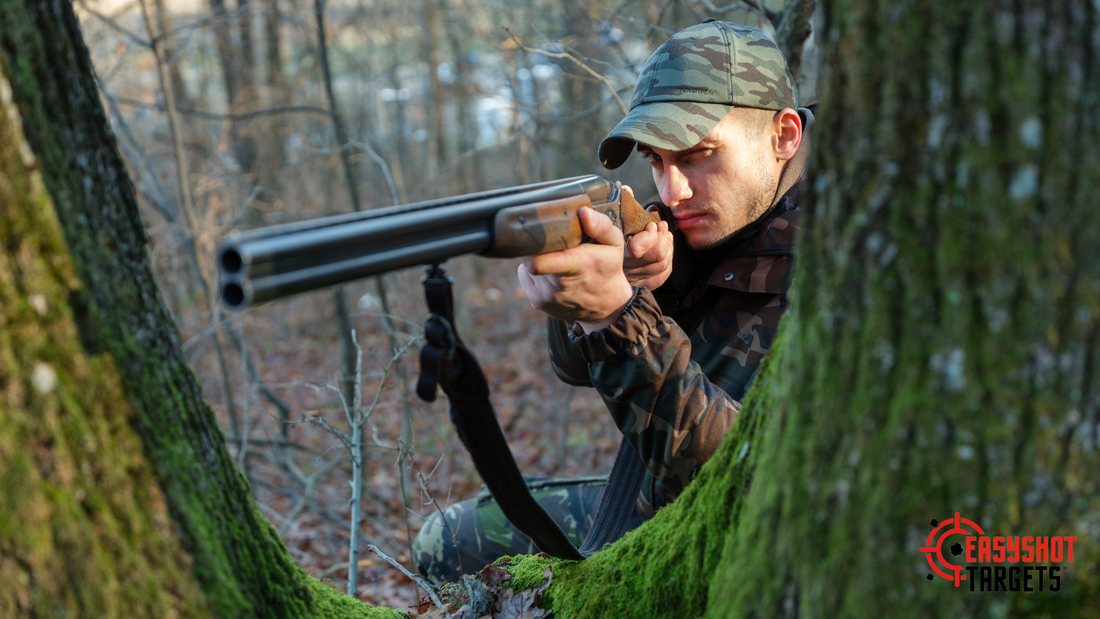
(494, 576)
(524, 604)
(424, 606)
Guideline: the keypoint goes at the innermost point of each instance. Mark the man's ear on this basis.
(787, 133)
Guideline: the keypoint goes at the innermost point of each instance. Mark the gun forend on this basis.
(542, 227)
(269, 263)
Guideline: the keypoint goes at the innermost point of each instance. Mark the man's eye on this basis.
(651, 157)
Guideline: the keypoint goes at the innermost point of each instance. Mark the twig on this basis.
(385, 169)
(574, 60)
(253, 374)
(757, 5)
(281, 109)
(434, 503)
(273, 443)
(307, 492)
(315, 508)
(632, 20)
(431, 592)
(660, 16)
(114, 25)
(336, 567)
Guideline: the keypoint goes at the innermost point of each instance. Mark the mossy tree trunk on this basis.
(117, 496)
(942, 350)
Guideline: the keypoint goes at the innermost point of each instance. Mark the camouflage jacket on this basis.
(674, 395)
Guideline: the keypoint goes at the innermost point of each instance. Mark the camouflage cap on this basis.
(692, 81)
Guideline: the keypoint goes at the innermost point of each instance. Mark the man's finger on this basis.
(539, 288)
(599, 227)
(564, 262)
(527, 283)
(642, 242)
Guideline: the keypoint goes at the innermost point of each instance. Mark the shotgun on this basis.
(264, 264)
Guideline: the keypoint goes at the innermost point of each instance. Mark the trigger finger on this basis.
(640, 243)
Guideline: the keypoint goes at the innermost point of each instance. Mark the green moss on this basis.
(529, 571)
(85, 529)
(329, 603)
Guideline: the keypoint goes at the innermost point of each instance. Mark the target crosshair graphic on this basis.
(933, 547)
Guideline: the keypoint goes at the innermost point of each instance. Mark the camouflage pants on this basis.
(482, 534)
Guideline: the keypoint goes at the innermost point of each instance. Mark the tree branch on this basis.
(577, 61)
(414, 577)
(280, 109)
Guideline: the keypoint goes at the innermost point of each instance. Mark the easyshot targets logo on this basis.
(1036, 553)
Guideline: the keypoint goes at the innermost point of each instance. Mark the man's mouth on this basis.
(689, 219)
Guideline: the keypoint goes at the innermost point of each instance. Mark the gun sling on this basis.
(445, 361)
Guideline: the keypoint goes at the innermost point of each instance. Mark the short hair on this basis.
(754, 121)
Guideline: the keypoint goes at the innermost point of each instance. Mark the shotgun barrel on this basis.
(260, 265)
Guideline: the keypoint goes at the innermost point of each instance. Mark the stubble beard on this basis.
(760, 199)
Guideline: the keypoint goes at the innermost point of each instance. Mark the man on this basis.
(670, 327)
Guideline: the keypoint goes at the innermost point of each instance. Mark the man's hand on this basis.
(585, 283)
(647, 262)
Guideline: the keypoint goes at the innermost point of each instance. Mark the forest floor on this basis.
(553, 430)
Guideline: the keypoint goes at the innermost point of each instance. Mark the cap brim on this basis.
(668, 125)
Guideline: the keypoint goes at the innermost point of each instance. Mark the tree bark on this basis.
(119, 498)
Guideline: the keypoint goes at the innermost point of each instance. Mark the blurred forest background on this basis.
(262, 112)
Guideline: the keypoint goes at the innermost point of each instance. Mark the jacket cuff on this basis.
(634, 325)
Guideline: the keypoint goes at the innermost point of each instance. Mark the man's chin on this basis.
(705, 239)
(700, 242)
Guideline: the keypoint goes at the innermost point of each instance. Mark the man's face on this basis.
(723, 183)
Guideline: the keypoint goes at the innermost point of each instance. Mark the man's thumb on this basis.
(599, 227)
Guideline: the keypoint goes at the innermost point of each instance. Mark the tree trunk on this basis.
(941, 354)
(435, 155)
(119, 498)
(221, 24)
(276, 77)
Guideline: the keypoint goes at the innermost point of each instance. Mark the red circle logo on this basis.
(933, 548)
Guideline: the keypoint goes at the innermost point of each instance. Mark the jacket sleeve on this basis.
(566, 360)
(660, 399)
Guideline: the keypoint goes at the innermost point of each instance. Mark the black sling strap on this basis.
(617, 504)
(445, 361)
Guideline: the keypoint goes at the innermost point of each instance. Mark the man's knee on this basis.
(472, 534)
(434, 549)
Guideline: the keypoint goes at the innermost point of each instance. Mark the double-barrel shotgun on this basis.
(268, 263)
(277, 261)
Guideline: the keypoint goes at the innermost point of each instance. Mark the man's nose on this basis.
(675, 189)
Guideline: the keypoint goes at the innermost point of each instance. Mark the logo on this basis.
(691, 90)
(980, 548)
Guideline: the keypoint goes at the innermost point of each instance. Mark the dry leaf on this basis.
(424, 606)
(524, 604)
(494, 576)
